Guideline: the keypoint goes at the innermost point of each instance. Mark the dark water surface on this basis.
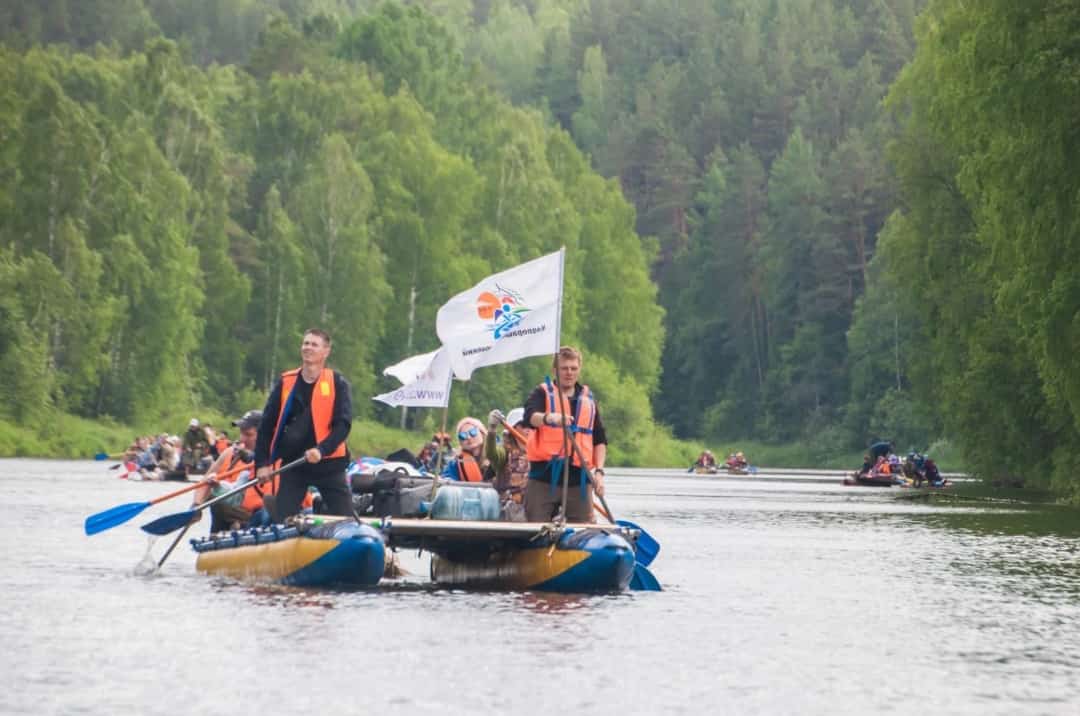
(782, 596)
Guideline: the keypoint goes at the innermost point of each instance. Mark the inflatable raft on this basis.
(341, 552)
(520, 555)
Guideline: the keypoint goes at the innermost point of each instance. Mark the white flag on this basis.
(425, 378)
(511, 315)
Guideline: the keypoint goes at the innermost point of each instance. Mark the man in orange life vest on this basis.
(550, 407)
(309, 415)
(235, 462)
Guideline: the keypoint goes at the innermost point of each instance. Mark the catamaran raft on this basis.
(469, 546)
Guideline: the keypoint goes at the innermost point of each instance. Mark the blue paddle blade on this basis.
(643, 580)
(113, 516)
(169, 523)
(647, 547)
(101, 456)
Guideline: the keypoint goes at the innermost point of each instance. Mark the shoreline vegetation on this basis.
(71, 437)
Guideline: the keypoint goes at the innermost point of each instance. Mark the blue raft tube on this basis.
(336, 553)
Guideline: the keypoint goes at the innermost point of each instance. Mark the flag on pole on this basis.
(507, 316)
(425, 381)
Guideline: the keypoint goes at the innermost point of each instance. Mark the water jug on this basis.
(459, 502)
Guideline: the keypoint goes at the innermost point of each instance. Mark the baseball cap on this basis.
(250, 419)
(194, 423)
(515, 416)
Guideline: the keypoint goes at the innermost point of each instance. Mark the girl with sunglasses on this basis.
(469, 465)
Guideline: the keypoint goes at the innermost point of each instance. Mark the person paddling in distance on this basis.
(552, 407)
(308, 414)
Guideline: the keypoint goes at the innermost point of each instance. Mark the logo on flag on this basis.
(503, 309)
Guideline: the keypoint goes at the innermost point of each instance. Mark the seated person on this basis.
(444, 447)
(427, 457)
(470, 465)
(930, 469)
(867, 464)
(882, 467)
(705, 460)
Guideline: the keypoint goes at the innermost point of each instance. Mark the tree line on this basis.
(825, 221)
(169, 229)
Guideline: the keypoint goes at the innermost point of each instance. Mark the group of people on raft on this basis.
(735, 463)
(174, 457)
(525, 455)
(882, 463)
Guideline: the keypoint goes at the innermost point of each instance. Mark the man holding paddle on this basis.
(236, 460)
(562, 410)
(309, 415)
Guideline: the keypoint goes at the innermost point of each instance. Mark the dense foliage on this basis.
(776, 253)
(988, 230)
(168, 230)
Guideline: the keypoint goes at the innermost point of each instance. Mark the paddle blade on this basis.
(169, 523)
(643, 580)
(101, 456)
(647, 547)
(112, 517)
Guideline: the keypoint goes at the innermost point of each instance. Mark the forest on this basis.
(802, 221)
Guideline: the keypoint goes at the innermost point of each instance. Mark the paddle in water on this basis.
(171, 523)
(647, 547)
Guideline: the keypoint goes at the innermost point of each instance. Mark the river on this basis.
(784, 593)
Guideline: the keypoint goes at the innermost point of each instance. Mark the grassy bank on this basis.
(66, 436)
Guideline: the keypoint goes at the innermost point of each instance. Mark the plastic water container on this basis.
(460, 502)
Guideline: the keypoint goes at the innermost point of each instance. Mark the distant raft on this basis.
(336, 553)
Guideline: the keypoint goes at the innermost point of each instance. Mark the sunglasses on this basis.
(470, 433)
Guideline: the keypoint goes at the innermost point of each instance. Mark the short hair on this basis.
(565, 353)
(320, 333)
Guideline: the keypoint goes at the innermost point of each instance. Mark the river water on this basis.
(783, 594)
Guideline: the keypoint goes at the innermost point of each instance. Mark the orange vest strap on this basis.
(468, 469)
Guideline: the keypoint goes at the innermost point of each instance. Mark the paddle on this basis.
(642, 579)
(173, 545)
(120, 514)
(169, 523)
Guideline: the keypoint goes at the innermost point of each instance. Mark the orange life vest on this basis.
(252, 497)
(546, 442)
(322, 407)
(468, 469)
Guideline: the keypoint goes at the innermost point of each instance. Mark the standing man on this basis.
(549, 408)
(309, 415)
